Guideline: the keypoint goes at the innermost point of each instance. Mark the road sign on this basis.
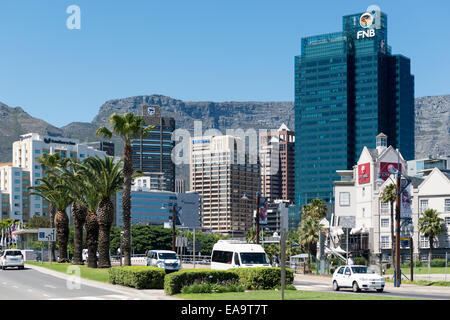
(46, 234)
(347, 221)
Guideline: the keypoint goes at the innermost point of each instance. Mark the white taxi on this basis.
(358, 278)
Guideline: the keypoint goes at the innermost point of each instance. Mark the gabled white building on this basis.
(359, 210)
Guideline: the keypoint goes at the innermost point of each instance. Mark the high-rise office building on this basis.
(278, 179)
(348, 88)
(152, 154)
(222, 174)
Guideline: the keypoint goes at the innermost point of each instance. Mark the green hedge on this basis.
(361, 261)
(174, 282)
(138, 277)
(262, 278)
(439, 263)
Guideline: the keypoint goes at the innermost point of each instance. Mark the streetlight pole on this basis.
(257, 217)
(398, 271)
(411, 267)
(173, 228)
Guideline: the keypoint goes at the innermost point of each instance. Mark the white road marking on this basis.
(50, 286)
(107, 297)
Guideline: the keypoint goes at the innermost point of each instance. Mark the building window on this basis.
(423, 205)
(447, 205)
(424, 242)
(385, 243)
(447, 221)
(344, 199)
(385, 223)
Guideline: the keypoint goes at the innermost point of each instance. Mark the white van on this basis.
(228, 254)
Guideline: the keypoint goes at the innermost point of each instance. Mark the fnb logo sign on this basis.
(369, 33)
(369, 21)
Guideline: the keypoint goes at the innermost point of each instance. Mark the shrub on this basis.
(226, 286)
(437, 263)
(174, 282)
(262, 278)
(415, 264)
(138, 277)
(360, 261)
(337, 262)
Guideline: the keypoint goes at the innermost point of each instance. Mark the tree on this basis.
(316, 208)
(37, 222)
(389, 195)
(309, 234)
(49, 162)
(53, 189)
(106, 178)
(431, 225)
(128, 126)
(75, 181)
(91, 224)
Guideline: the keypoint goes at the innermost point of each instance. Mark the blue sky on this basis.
(190, 50)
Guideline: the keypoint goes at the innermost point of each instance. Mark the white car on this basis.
(358, 278)
(12, 258)
(166, 259)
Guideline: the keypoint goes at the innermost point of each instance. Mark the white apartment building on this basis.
(23, 172)
(221, 172)
(359, 210)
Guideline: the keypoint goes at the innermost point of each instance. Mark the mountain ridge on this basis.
(432, 118)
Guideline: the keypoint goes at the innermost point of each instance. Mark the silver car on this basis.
(12, 258)
(168, 260)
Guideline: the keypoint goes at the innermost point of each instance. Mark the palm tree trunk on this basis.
(126, 203)
(392, 235)
(92, 239)
(79, 214)
(62, 234)
(105, 218)
(52, 225)
(430, 253)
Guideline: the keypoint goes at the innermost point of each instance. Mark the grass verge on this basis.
(288, 295)
(101, 275)
(420, 270)
(423, 282)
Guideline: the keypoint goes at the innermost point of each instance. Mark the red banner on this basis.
(388, 168)
(364, 173)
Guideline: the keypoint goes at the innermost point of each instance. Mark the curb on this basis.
(148, 294)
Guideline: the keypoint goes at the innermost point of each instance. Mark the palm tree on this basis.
(48, 163)
(128, 126)
(53, 189)
(309, 234)
(76, 180)
(389, 195)
(92, 200)
(431, 225)
(105, 178)
(250, 236)
(316, 208)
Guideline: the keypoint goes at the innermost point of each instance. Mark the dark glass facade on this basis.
(348, 89)
(152, 154)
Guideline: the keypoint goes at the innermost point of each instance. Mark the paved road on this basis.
(37, 283)
(314, 283)
(29, 284)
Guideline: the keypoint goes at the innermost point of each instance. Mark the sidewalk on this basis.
(148, 294)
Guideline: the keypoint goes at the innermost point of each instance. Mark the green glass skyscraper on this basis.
(348, 89)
